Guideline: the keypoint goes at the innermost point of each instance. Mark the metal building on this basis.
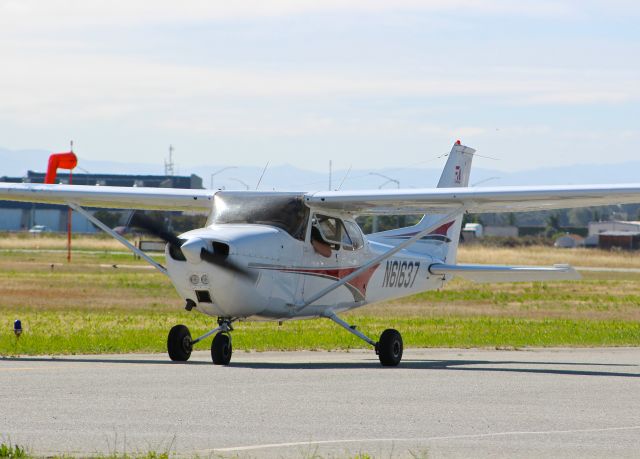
(20, 216)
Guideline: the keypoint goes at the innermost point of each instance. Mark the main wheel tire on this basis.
(179, 343)
(221, 349)
(390, 348)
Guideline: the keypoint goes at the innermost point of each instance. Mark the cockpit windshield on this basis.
(285, 211)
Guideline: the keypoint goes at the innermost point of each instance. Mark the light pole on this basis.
(389, 180)
(246, 187)
(485, 180)
(374, 222)
(219, 171)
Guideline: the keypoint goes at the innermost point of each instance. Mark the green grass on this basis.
(84, 307)
(11, 452)
(75, 332)
(8, 451)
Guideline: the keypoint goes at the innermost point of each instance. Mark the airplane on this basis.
(277, 256)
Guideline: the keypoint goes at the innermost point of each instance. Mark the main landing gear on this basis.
(389, 348)
(180, 344)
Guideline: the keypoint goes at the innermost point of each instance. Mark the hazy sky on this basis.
(362, 82)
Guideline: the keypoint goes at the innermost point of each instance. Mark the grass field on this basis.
(89, 306)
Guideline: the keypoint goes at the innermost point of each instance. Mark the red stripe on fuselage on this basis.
(360, 282)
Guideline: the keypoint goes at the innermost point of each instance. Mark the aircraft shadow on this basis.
(64, 359)
(371, 364)
(451, 365)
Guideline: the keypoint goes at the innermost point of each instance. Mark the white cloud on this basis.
(86, 86)
(90, 66)
(16, 14)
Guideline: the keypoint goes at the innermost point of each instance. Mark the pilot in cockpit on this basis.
(318, 242)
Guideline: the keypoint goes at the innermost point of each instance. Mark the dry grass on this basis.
(43, 280)
(536, 255)
(600, 296)
(91, 283)
(80, 286)
(543, 255)
(89, 306)
(52, 241)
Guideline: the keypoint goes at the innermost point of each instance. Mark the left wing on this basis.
(473, 200)
(488, 273)
(113, 197)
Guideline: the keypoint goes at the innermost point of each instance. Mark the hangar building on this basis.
(20, 216)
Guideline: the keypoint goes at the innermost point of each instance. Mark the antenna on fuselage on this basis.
(262, 175)
(345, 177)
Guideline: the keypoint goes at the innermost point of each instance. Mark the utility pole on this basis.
(168, 164)
(69, 216)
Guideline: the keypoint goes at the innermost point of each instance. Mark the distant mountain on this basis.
(15, 163)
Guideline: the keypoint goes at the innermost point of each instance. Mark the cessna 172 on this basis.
(282, 255)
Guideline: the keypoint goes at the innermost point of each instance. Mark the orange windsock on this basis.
(57, 161)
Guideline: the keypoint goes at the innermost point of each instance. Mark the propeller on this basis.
(217, 257)
(153, 227)
(220, 259)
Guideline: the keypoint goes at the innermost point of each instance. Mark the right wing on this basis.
(112, 197)
(473, 200)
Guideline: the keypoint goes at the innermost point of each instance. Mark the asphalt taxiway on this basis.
(438, 403)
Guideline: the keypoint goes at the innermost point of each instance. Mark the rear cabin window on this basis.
(355, 234)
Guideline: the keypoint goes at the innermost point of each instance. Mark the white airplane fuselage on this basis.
(289, 271)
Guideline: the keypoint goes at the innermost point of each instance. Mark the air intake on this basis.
(203, 296)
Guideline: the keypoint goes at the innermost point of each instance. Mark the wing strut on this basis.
(120, 239)
(350, 328)
(380, 258)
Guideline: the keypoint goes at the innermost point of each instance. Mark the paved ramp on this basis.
(439, 403)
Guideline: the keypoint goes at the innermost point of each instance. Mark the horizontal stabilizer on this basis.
(488, 273)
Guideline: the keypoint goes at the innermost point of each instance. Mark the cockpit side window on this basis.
(355, 235)
(332, 230)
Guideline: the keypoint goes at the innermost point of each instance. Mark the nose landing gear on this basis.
(221, 349)
(180, 344)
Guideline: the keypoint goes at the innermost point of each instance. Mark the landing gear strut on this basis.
(389, 348)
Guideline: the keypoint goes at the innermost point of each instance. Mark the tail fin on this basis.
(458, 168)
(441, 243)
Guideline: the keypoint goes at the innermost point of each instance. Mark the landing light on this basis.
(204, 279)
(194, 279)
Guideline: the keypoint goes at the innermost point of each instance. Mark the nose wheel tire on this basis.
(221, 349)
(179, 343)
(390, 348)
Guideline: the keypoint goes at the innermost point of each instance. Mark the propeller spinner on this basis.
(193, 250)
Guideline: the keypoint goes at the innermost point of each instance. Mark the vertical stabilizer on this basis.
(441, 243)
(458, 168)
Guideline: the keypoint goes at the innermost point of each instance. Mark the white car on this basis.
(40, 229)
